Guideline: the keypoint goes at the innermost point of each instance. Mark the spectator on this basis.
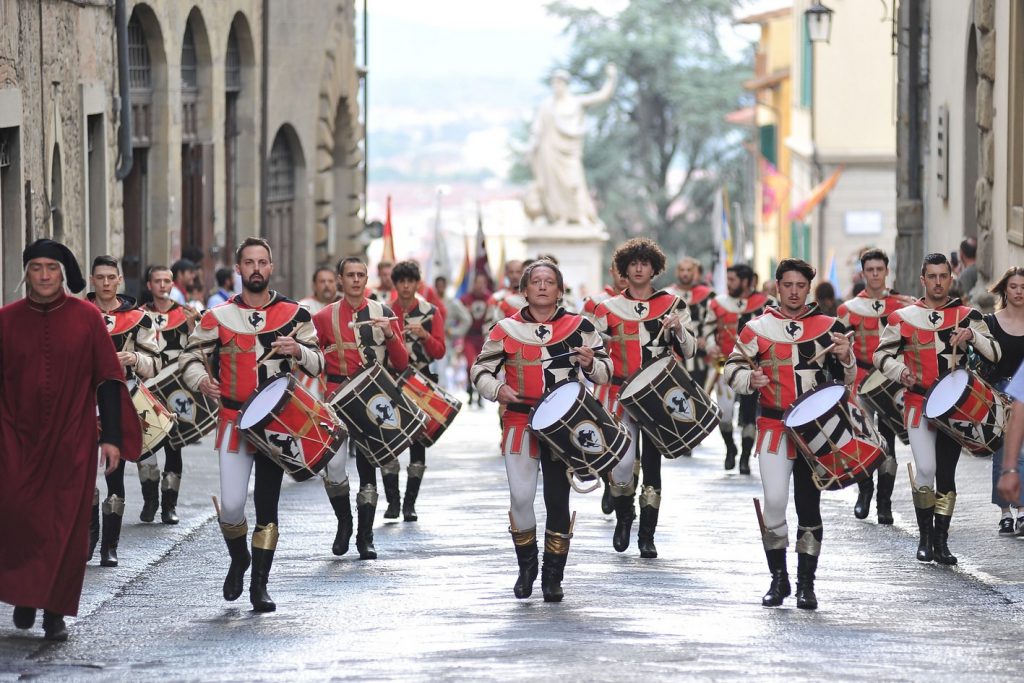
(825, 297)
(183, 272)
(968, 270)
(225, 282)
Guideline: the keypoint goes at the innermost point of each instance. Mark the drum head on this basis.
(946, 393)
(644, 378)
(263, 403)
(872, 382)
(555, 405)
(814, 405)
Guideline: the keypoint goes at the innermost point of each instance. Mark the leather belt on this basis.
(522, 408)
(865, 365)
(231, 404)
(337, 379)
(772, 413)
(617, 381)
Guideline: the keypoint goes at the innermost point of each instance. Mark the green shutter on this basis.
(769, 148)
(806, 68)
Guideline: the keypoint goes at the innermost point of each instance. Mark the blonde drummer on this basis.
(537, 347)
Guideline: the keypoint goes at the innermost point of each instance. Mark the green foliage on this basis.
(661, 147)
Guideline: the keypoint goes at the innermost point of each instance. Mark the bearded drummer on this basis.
(780, 356)
(724, 320)
(866, 314)
(920, 345)
(537, 347)
(135, 341)
(641, 326)
(353, 333)
(172, 323)
(235, 347)
(423, 331)
(698, 298)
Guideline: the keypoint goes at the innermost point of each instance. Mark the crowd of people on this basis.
(747, 356)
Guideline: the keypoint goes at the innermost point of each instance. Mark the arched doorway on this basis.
(240, 172)
(284, 178)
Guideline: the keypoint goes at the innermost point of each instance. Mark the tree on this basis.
(661, 147)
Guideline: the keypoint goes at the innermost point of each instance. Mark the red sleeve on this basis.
(322, 323)
(433, 343)
(398, 356)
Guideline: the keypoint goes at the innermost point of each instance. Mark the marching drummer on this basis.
(135, 340)
(779, 356)
(355, 332)
(920, 345)
(866, 314)
(537, 347)
(172, 324)
(697, 297)
(227, 357)
(423, 330)
(641, 325)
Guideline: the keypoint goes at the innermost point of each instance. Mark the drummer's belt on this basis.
(924, 497)
(524, 536)
(944, 503)
(265, 537)
(806, 542)
(774, 541)
(556, 543)
(233, 531)
(650, 497)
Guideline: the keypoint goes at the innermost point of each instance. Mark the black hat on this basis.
(45, 248)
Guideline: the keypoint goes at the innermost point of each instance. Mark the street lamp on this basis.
(819, 22)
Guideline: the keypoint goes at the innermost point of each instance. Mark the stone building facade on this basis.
(227, 98)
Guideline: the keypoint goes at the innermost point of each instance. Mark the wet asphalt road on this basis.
(438, 604)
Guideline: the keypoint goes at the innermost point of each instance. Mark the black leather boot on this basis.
(650, 501)
(556, 551)
(113, 511)
(366, 509)
(944, 503)
(806, 565)
(236, 538)
(54, 627)
(883, 503)
(24, 617)
(863, 505)
(748, 446)
(169, 488)
(264, 543)
(607, 505)
(624, 516)
(526, 552)
(730, 449)
(94, 523)
(389, 475)
(149, 477)
(338, 495)
(779, 588)
(413, 479)
(925, 517)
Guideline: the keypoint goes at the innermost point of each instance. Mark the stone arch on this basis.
(241, 158)
(286, 183)
(338, 156)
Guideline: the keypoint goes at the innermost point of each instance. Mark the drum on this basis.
(580, 431)
(196, 412)
(438, 405)
(669, 406)
(291, 427)
(381, 420)
(967, 408)
(157, 421)
(885, 397)
(834, 436)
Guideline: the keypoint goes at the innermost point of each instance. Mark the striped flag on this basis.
(462, 286)
(820, 191)
(388, 253)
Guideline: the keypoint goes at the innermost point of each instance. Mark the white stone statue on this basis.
(559, 189)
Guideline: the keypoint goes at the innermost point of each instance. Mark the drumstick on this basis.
(570, 353)
(216, 505)
(956, 329)
(760, 515)
(273, 352)
(353, 324)
(828, 348)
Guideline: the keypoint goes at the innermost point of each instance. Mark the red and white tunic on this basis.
(785, 349)
(348, 350)
(866, 316)
(172, 328)
(132, 331)
(697, 299)
(727, 315)
(590, 303)
(504, 303)
(519, 345)
(422, 352)
(917, 337)
(231, 338)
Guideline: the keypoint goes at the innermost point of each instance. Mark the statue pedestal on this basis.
(578, 247)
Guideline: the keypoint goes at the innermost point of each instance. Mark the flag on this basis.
(833, 270)
(722, 240)
(774, 188)
(481, 265)
(801, 210)
(499, 272)
(440, 264)
(388, 253)
(462, 286)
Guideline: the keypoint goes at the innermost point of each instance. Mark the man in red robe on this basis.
(56, 363)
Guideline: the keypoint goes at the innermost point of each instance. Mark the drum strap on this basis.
(339, 343)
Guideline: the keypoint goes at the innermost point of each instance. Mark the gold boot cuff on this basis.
(924, 497)
(265, 537)
(944, 503)
(773, 540)
(556, 543)
(650, 497)
(524, 537)
(806, 542)
(233, 531)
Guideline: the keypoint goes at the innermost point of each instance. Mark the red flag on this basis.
(481, 264)
(774, 188)
(388, 253)
(814, 198)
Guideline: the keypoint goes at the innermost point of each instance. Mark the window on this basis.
(768, 144)
(233, 64)
(189, 87)
(140, 81)
(280, 171)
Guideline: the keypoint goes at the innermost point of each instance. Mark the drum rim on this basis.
(807, 395)
(667, 359)
(265, 420)
(557, 385)
(967, 388)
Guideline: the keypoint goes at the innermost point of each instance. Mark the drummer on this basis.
(135, 340)
(640, 324)
(865, 314)
(227, 356)
(172, 323)
(518, 344)
(698, 297)
(917, 349)
(762, 364)
(508, 300)
(423, 331)
(355, 332)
